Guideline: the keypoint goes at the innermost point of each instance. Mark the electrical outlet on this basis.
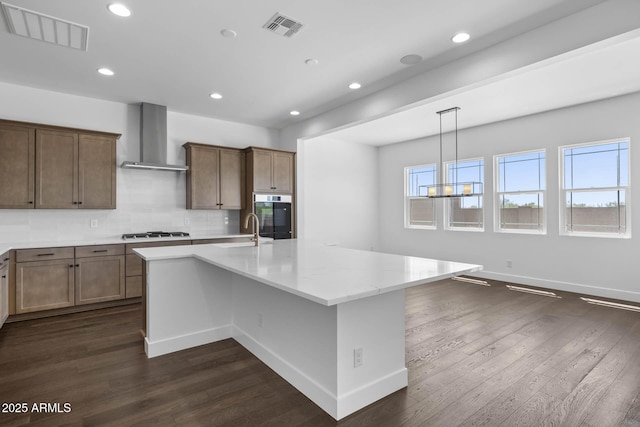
(186, 220)
(509, 263)
(94, 223)
(357, 357)
(226, 220)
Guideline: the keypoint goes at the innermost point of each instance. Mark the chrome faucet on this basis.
(257, 225)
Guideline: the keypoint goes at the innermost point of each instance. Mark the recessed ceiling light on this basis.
(294, 113)
(119, 9)
(311, 61)
(412, 59)
(228, 33)
(355, 85)
(216, 95)
(105, 71)
(460, 38)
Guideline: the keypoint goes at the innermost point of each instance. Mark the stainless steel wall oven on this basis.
(274, 213)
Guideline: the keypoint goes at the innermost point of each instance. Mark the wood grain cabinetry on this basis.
(50, 167)
(99, 274)
(75, 171)
(4, 288)
(17, 165)
(44, 279)
(50, 278)
(215, 179)
(270, 171)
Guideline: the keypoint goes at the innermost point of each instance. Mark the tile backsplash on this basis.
(146, 200)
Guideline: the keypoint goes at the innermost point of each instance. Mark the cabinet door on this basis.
(4, 293)
(231, 179)
(96, 172)
(282, 173)
(17, 162)
(262, 171)
(43, 285)
(202, 178)
(56, 169)
(99, 279)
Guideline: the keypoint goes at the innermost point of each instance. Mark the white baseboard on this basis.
(336, 406)
(182, 342)
(349, 403)
(307, 386)
(561, 286)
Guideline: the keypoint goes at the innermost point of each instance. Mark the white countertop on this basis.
(6, 246)
(328, 275)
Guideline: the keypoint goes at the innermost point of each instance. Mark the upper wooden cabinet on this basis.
(50, 167)
(270, 171)
(17, 162)
(215, 179)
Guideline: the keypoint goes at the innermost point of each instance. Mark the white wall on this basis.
(339, 200)
(598, 266)
(146, 200)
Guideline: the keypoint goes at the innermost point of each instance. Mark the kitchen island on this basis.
(329, 320)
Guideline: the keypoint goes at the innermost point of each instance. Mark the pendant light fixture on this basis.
(455, 188)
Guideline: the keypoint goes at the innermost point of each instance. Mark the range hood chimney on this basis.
(153, 140)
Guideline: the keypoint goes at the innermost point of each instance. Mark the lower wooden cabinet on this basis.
(99, 274)
(4, 288)
(49, 278)
(44, 285)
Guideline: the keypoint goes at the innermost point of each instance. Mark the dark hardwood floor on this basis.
(477, 356)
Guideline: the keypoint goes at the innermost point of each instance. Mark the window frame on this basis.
(447, 203)
(408, 198)
(562, 192)
(497, 193)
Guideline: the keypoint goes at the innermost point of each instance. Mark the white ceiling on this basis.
(603, 70)
(172, 53)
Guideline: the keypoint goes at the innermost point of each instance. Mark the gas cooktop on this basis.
(154, 234)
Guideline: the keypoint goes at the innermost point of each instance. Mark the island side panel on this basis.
(374, 327)
(292, 335)
(188, 304)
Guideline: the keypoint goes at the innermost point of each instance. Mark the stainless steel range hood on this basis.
(153, 140)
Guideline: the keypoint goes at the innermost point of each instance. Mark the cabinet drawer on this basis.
(133, 265)
(4, 259)
(132, 246)
(102, 250)
(43, 254)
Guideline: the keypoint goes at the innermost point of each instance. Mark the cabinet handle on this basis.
(70, 265)
(4, 277)
(6, 259)
(30, 202)
(46, 254)
(75, 203)
(77, 265)
(101, 250)
(79, 203)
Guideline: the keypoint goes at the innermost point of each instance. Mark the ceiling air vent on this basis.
(283, 25)
(38, 26)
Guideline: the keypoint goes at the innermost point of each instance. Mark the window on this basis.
(594, 189)
(419, 211)
(464, 213)
(520, 180)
